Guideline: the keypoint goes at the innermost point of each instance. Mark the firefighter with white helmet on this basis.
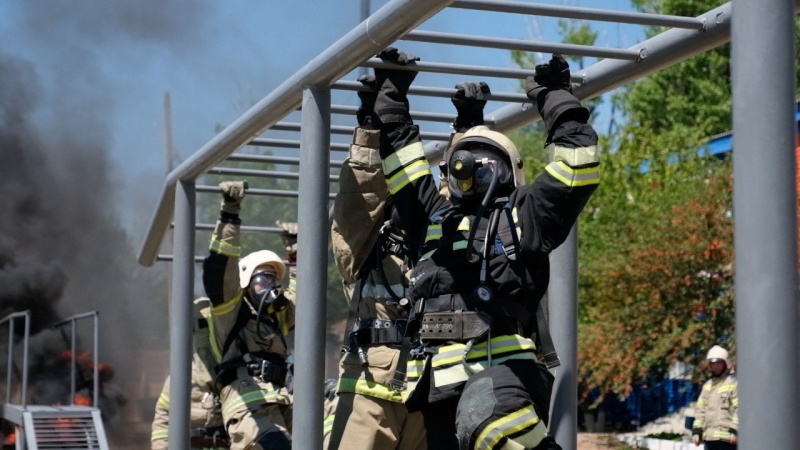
(481, 258)
(716, 421)
(250, 317)
(205, 417)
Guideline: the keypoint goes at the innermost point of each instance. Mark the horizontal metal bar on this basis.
(436, 37)
(76, 317)
(573, 12)
(347, 130)
(247, 228)
(260, 173)
(435, 92)
(456, 69)
(14, 315)
(417, 115)
(200, 259)
(369, 37)
(288, 160)
(259, 192)
(288, 143)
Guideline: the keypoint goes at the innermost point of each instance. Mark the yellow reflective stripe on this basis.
(221, 310)
(413, 171)
(403, 157)
(450, 354)
(434, 232)
(414, 369)
(459, 245)
(293, 284)
(371, 389)
(282, 318)
(515, 216)
(444, 376)
(464, 224)
(721, 434)
(427, 255)
(574, 177)
(508, 425)
(163, 400)
(327, 425)
(226, 307)
(725, 388)
(252, 398)
(158, 435)
(223, 248)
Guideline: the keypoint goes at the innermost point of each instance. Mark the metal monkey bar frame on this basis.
(762, 32)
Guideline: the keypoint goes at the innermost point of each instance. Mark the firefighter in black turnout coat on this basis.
(482, 257)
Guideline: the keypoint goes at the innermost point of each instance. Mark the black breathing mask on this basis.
(471, 172)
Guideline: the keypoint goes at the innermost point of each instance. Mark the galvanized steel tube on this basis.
(312, 270)
(763, 69)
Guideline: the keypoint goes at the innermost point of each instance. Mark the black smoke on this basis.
(62, 248)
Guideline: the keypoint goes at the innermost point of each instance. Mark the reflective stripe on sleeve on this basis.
(163, 400)
(574, 177)
(404, 166)
(434, 232)
(510, 424)
(158, 435)
(223, 248)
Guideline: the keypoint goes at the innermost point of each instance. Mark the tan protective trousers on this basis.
(366, 423)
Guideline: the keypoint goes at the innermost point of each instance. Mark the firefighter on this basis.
(716, 421)
(205, 417)
(250, 317)
(481, 258)
(370, 253)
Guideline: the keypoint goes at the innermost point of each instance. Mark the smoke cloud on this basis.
(62, 248)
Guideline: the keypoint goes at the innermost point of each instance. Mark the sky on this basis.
(118, 58)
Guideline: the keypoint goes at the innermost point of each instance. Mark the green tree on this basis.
(656, 244)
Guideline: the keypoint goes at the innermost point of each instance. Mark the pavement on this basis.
(598, 441)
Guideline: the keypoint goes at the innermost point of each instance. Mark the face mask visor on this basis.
(261, 283)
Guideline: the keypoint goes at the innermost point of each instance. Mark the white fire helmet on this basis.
(256, 260)
(718, 353)
(483, 136)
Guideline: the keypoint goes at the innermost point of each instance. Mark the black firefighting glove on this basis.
(367, 107)
(232, 195)
(391, 103)
(550, 88)
(469, 100)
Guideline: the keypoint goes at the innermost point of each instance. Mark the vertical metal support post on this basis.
(562, 301)
(765, 235)
(96, 373)
(73, 360)
(180, 318)
(312, 268)
(9, 372)
(25, 358)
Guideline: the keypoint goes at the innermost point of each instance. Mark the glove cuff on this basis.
(364, 151)
(394, 112)
(468, 121)
(553, 103)
(230, 208)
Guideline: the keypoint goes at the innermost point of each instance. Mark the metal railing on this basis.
(9, 369)
(72, 321)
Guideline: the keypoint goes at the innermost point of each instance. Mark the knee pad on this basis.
(275, 440)
(500, 408)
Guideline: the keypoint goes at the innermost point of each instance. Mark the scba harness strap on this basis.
(269, 368)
